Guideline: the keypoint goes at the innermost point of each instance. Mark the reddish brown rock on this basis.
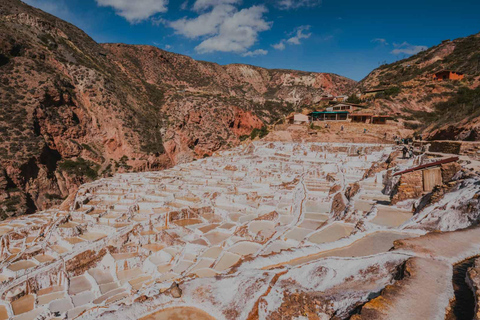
(473, 276)
(410, 186)
(334, 189)
(338, 205)
(449, 170)
(352, 190)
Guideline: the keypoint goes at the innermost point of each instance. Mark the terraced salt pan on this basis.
(277, 246)
(391, 217)
(159, 252)
(331, 233)
(374, 243)
(216, 237)
(22, 265)
(226, 261)
(311, 224)
(364, 206)
(245, 248)
(187, 222)
(317, 207)
(297, 234)
(257, 226)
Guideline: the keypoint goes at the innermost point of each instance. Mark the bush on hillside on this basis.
(259, 133)
(79, 168)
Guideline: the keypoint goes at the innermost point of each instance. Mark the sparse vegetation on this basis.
(79, 168)
(261, 133)
(354, 99)
(464, 104)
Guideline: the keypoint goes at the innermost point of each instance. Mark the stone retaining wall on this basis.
(465, 148)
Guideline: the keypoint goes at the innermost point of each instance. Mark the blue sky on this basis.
(347, 37)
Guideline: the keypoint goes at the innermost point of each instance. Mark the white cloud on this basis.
(295, 40)
(201, 5)
(205, 24)
(223, 28)
(258, 52)
(279, 46)
(135, 11)
(184, 5)
(295, 4)
(380, 41)
(167, 47)
(300, 35)
(407, 48)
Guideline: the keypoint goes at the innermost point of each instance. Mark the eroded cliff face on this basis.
(209, 106)
(74, 110)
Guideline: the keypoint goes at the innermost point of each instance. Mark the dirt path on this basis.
(179, 313)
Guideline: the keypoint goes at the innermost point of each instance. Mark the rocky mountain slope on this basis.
(441, 109)
(74, 110)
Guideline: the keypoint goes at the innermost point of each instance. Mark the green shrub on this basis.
(51, 196)
(354, 99)
(259, 133)
(80, 168)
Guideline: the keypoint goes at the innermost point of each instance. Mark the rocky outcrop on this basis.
(413, 184)
(352, 190)
(410, 187)
(473, 277)
(339, 205)
(449, 170)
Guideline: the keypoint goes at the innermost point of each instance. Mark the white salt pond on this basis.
(377, 242)
(317, 207)
(179, 313)
(331, 233)
(216, 237)
(257, 226)
(391, 217)
(245, 248)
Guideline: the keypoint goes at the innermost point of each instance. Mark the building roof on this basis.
(349, 104)
(329, 112)
(370, 115)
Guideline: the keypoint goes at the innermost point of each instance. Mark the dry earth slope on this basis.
(446, 110)
(73, 110)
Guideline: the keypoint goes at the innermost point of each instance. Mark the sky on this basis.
(346, 37)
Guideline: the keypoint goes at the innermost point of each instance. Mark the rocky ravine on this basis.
(74, 110)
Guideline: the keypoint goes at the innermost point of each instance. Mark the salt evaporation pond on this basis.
(377, 242)
(179, 313)
(391, 217)
(331, 233)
